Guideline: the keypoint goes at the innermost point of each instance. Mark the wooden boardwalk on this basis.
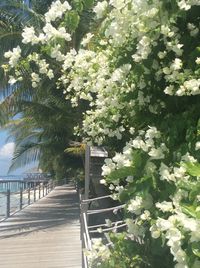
(45, 234)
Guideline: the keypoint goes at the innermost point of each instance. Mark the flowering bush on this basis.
(139, 73)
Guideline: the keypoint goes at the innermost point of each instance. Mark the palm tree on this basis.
(45, 127)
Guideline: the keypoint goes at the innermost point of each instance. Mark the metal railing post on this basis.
(21, 199)
(34, 192)
(29, 196)
(8, 204)
(39, 190)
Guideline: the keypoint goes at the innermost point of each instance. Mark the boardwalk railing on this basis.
(23, 198)
(87, 231)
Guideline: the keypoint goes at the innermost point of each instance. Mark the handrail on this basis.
(87, 230)
(96, 211)
(104, 224)
(88, 240)
(97, 198)
(109, 229)
(33, 195)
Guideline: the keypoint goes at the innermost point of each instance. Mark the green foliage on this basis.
(193, 168)
(120, 174)
(72, 20)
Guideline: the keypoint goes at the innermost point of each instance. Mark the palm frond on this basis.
(24, 155)
(77, 149)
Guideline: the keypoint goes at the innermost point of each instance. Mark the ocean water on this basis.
(14, 197)
(14, 204)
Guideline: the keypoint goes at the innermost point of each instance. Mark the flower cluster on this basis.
(138, 74)
(151, 214)
(98, 253)
(47, 39)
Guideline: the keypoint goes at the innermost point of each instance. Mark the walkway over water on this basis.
(44, 235)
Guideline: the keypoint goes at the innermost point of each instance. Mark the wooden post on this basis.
(46, 188)
(29, 196)
(87, 171)
(8, 204)
(21, 199)
(43, 189)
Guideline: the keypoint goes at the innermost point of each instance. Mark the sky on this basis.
(7, 147)
(6, 153)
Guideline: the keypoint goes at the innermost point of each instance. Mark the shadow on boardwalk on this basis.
(50, 225)
(52, 211)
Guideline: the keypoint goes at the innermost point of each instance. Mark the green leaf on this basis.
(120, 173)
(88, 3)
(124, 196)
(196, 248)
(193, 194)
(193, 168)
(72, 20)
(78, 5)
(189, 210)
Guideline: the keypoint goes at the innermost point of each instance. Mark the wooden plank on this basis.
(44, 235)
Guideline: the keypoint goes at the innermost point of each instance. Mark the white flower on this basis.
(129, 179)
(108, 222)
(135, 205)
(13, 56)
(197, 60)
(100, 9)
(152, 133)
(156, 153)
(56, 53)
(56, 10)
(12, 80)
(166, 70)
(165, 206)
(179, 173)
(163, 224)
(197, 146)
(50, 74)
(173, 234)
(134, 229)
(193, 29)
(177, 64)
(86, 39)
(164, 172)
(108, 167)
(180, 256)
(132, 130)
(121, 160)
(188, 158)
(161, 54)
(184, 5)
(29, 36)
(145, 216)
(166, 30)
(155, 231)
(102, 181)
(52, 32)
(169, 90)
(35, 79)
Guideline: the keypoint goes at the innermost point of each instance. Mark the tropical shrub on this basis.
(139, 72)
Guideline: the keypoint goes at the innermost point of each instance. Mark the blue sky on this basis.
(7, 146)
(6, 153)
